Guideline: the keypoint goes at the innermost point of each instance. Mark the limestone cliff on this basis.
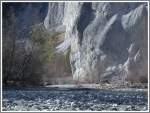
(108, 40)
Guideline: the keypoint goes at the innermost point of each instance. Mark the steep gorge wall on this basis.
(25, 15)
(108, 41)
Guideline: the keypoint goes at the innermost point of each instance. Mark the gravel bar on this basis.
(73, 99)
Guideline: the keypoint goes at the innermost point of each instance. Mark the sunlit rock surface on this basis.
(108, 41)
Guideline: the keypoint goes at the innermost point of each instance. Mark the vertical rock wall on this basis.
(108, 41)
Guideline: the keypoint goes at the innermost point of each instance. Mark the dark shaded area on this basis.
(26, 14)
(28, 48)
(84, 19)
(23, 6)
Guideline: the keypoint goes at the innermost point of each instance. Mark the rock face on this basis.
(26, 15)
(108, 41)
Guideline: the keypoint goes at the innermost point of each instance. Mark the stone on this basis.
(108, 41)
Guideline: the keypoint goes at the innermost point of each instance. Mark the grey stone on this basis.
(107, 40)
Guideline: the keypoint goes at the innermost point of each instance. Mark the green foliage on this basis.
(51, 64)
(67, 63)
(35, 61)
(45, 42)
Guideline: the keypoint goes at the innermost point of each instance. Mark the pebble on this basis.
(82, 100)
(114, 109)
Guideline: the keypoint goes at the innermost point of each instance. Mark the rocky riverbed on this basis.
(73, 99)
